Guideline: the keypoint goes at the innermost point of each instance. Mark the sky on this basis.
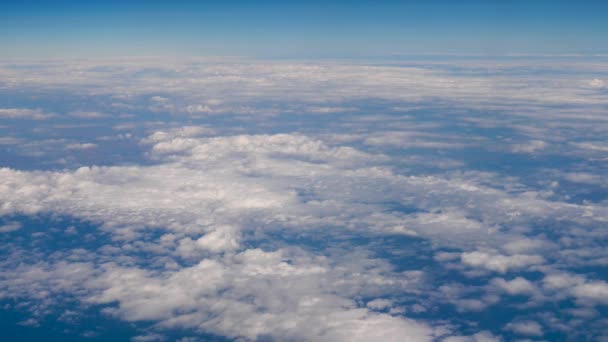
(300, 28)
(195, 171)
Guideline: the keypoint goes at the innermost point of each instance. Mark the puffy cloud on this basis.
(249, 294)
(227, 202)
(586, 292)
(562, 280)
(527, 245)
(379, 304)
(593, 292)
(527, 328)
(208, 193)
(500, 263)
(203, 182)
(516, 286)
(204, 195)
(583, 177)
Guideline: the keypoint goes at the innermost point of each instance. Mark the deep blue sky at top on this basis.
(39, 29)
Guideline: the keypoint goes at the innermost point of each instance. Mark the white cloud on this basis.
(30, 322)
(149, 338)
(516, 286)
(561, 281)
(592, 146)
(584, 177)
(595, 292)
(80, 146)
(329, 110)
(10, 227)
(482, 336)
(527, 245)
(597, 83)
(527, 328)
(500, 263)
(9, 141)
(214, 196)
(296, 296)
(586, 292)
(529, 147)
(88, 115)
(212, 86)
(207, 193)
(379, 304)
(24, 113)
(203, 195)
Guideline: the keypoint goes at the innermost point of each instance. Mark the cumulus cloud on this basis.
(500, 263)
(587, 292)
(584, 177)
(526, 245)
(296, 297)
(527, 328)
(516, 286)
(210, 196)
(333, 228)
(205, 194)
(379, 304)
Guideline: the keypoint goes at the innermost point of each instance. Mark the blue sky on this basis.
(301, 29)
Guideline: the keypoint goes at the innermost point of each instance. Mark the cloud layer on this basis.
(326, 202)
